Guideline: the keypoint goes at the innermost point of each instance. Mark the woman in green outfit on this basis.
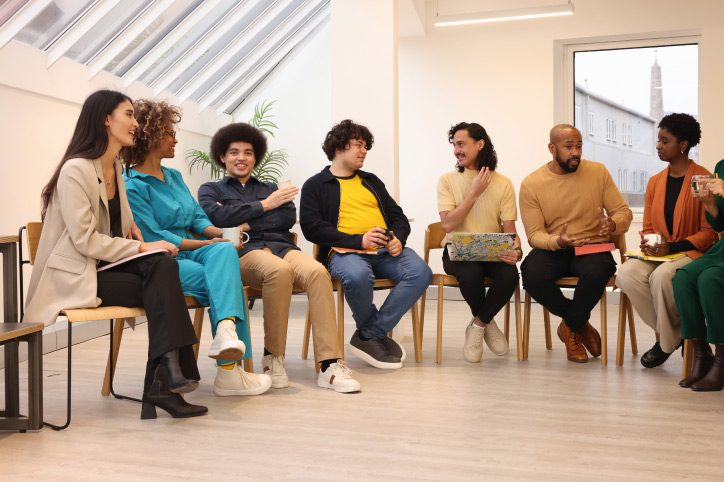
(698, 289)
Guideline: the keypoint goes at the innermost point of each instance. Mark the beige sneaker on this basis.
(274, 367)
(339, 378)
(226, 344)
(495, 339)
(473, 347)
(238, 382)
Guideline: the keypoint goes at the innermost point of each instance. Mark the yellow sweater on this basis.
(548, 201)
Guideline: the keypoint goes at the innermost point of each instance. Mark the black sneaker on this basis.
(654, 357)
(373, 351)
(394, 348)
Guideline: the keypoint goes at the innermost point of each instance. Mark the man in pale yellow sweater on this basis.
(562, 206)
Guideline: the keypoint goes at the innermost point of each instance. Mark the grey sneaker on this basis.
(374, 352)
(495, 339)
(394, 348)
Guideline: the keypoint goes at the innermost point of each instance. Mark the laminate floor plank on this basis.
(543, 419)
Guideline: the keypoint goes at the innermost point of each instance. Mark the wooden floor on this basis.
(501, 419)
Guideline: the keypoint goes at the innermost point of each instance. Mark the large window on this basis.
(631, 89)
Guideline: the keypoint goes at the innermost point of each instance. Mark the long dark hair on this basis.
(90, 138)
(487, 157)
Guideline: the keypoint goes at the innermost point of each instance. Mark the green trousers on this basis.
(699, 296)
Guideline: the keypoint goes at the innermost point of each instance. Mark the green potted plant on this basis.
(268, 169)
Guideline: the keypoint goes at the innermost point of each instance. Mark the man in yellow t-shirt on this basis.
(562, 206)
(345, 207)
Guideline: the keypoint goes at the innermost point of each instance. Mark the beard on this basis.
(566, 164)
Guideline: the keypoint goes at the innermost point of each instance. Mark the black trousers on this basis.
(153, 283)
(471, 276)
(542, 268)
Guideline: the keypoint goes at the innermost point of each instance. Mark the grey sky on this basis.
(624, 76)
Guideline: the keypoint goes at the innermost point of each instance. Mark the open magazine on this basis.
(130, 258)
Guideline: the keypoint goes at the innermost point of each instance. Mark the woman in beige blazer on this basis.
(88, 222)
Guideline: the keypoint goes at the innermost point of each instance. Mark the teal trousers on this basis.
(211, 275)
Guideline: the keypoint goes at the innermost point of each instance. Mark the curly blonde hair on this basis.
(154, 119)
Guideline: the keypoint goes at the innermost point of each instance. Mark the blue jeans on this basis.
(358, 272)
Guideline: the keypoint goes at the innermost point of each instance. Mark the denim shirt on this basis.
(242, 204)
(164, 210)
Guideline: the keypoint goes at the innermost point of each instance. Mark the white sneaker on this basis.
(473, 347)
(339, 378)
(495, 339)
(226, 344)
(274, 365)
(239, 382)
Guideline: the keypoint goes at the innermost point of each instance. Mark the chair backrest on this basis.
(620, 243)
(434, 234)
(34, 231)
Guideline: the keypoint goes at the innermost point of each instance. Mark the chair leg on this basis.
(416, 338)
(547, 326)
(422, 315)
(506, 325)
(249, 362)
(526, 326)
(632, 327)
(340, 317)
(198, 327)
(621, 333)
(604, 330)
(70, 358)
(112, 362)
(117, 334)
(307, 333)
(518, 330)
(688, 358)
(439, 322)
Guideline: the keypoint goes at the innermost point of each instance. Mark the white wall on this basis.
(501, 75)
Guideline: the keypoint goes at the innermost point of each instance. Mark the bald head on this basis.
(562, 129)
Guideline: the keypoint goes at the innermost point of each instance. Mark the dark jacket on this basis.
(242, 204)
(319, 212)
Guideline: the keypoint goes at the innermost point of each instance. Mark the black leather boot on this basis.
(703, 359)
(174, 404)
(168, 372)
(714, 380)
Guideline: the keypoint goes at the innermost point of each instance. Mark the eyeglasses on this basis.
(172, 134)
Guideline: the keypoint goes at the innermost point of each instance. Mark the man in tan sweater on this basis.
(566, 203)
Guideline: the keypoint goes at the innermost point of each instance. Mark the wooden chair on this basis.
(625, 308)
(380, 283)
(111, 313)
(434, 234)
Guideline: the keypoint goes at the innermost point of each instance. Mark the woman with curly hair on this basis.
(88, 223)
(678, 217)
(476, 198)
(164, 209)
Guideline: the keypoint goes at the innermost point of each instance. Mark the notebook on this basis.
(479, 246)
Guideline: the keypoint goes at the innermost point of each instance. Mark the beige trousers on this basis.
(276, 278)
(648, 286)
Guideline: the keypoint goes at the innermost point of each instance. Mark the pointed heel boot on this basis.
(169, 373)
(703, 360)
(714, 380)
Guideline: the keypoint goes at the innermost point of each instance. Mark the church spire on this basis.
(656, 108)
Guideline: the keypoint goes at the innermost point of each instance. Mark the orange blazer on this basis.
(689, 219)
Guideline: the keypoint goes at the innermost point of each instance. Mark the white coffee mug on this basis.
(652, 239)
(234, 235)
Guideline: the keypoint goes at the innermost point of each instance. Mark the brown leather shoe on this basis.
(574, 347)
(591, 339)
